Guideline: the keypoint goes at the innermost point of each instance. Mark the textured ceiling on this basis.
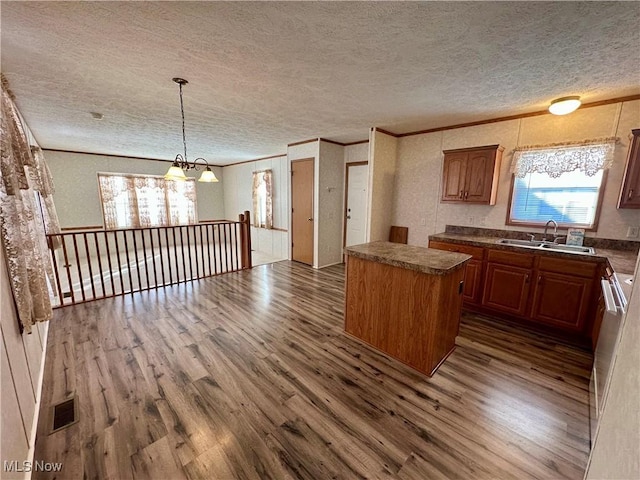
(264, 74)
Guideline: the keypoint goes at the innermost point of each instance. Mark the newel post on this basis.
(245, 238)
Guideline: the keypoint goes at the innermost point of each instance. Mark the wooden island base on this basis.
(411, 315)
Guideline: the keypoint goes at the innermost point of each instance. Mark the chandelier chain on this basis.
(184, 137)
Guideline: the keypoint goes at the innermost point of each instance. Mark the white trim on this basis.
(36, 416)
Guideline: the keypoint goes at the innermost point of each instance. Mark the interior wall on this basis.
(330, 187)
(21, 378)
(238, 184)
(356, 153)
(416, 203)
(382, 174)
(614, 453)
(75, 176)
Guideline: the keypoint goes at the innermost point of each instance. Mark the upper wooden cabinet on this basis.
(630, 191)
(470, 175)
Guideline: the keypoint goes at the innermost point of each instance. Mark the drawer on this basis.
(510, 258)
(570, 267)
(476, 252)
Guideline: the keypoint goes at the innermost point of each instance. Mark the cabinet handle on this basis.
(539, 279)
(630, 194)
(461, 194)
(526, 278)
(466, 194)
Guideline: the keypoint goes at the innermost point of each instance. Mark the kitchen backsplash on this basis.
(607, 243)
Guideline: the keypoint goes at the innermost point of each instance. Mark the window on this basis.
(562, 183)
(262, 200)
(130, 201)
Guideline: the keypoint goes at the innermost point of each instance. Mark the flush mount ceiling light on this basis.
(181, 163)
(564, 105)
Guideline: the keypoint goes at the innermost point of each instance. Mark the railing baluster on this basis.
(95, 241)
(153, 258)
(144, 255)
(135, 256)
(67, 266)
(106, 242)
(195, 249)
(234, 234)
(219, 243)
(204, 271)
(75, 249)
(126, 251)
(55, 267)
(206, 230)
(175, 252)
(189, 250)
(223, 241)
(86, 249)
(120, 274)
(160, 255)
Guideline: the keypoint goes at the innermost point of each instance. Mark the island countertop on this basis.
(419, 259)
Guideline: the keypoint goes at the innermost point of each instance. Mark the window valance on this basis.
(588, 156)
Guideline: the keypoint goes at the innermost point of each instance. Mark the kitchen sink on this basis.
(547, 246)
(520, 243)
(569, 248)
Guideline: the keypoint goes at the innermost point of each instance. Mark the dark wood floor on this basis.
(249, 375)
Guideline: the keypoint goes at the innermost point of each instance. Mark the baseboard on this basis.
(328, 265)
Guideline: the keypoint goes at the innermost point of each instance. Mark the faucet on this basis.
(555, 229)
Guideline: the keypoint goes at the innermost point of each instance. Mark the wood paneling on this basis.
(250, 375)
(412, 316)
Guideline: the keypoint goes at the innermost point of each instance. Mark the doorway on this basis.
(355, 218)
(302, 210)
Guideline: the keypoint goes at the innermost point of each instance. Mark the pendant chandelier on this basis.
(181, 163)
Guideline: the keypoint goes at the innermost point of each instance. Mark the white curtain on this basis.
(262, 194)
(26, 209)
(132, 201)
(589, 156)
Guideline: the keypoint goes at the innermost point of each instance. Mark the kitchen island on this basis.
(405, 301)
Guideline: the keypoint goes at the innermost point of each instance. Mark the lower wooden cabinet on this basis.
(473, 277)
(472, 292)
(562, 300)
(506, 288)
(541, 289)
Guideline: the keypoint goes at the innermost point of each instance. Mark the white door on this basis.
(356, 211)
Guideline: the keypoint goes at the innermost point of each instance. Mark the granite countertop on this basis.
(621, 261)
(419, 259)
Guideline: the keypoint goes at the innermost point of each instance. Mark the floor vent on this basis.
(64, 414)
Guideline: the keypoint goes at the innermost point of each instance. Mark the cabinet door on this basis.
(472, 282)
(479, 176)
(453, 179)
(506, 288)
(630, 192)
(561, 300)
